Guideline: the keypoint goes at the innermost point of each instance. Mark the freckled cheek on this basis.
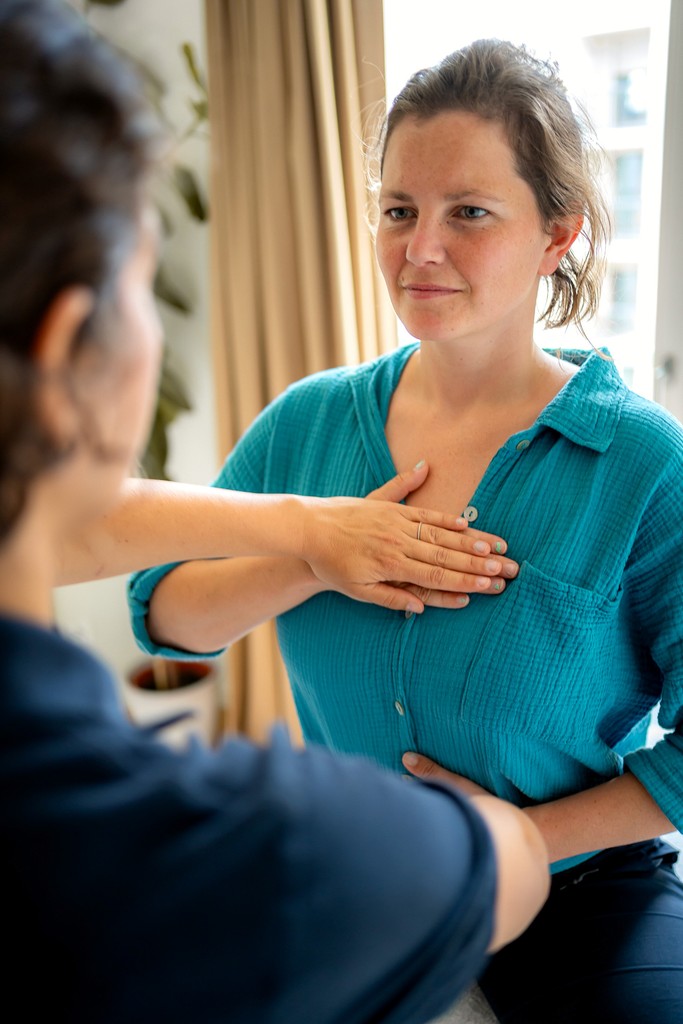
(390, 258)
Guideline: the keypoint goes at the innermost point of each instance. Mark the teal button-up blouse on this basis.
(540, 692)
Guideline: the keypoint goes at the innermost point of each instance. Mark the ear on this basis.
(52, 352)
(57, 331)
(562, 237)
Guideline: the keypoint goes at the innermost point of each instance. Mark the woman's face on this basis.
(460, 240)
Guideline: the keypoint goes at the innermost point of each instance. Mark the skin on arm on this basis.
(344, 540)
(202, 606)
(523, 879)
(615, 813)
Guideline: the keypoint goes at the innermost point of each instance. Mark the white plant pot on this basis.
(201, 699)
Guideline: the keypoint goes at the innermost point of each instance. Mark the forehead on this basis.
(450, 145)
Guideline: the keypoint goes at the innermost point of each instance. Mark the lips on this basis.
(428, 291)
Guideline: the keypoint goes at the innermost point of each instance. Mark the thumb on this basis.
(401, 485)
(423, 767)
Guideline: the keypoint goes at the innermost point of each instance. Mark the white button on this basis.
(522, 445)
(470, 513)
(399, 707)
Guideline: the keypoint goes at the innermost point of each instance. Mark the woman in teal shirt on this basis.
(541, 695)
(245, 884)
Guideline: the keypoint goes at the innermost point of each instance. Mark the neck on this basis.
(466, 375)
(27, 573)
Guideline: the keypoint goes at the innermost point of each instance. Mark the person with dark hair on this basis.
(488, 201)
(143, 884)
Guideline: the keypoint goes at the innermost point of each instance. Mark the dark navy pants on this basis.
(607, 948)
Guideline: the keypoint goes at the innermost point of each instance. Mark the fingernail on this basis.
(461, 521)
(510, 570)
(410, 760)
(500, 547)
(498, 585)
(492, 565)
(419, 465)
(483, 582)
(414, 609)
(461, 601)
(481, 547)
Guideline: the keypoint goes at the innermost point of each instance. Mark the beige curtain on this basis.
(294, 88)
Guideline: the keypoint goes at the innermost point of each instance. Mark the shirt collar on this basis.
(588, 408)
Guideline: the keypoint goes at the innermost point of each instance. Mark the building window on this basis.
(631, 98)
(628, 176)
(622, 283)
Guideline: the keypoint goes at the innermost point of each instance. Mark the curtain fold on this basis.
(294, 89)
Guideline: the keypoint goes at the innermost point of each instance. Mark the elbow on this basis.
(523, 876)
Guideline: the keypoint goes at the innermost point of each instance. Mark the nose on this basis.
(426, 243)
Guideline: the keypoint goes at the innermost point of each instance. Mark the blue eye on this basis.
(473, 212)
(398, 213)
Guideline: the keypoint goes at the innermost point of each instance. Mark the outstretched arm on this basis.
(347, 542)
(202, 606)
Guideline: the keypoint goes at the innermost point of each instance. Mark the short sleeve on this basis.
(248, 883)
(389, 896)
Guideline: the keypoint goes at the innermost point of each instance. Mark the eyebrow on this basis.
(451, 197)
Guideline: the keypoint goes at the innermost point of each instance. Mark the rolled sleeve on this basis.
(656, 593)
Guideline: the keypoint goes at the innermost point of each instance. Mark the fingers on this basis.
(460, 552)
(439, 598)
(443, 526)
(447, 531)
(424, 768)
(400, 486)
(441, 570)
(387, 595)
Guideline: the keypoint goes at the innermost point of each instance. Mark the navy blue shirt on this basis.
(243, 885)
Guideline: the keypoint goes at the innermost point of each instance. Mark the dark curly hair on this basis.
(553, 143)
(77, 145)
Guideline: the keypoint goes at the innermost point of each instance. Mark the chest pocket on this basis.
(541, 658)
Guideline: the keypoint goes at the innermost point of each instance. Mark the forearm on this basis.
(205, 606)
(614, 813)
(157, 522)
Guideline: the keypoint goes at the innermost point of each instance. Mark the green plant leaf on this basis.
(192, 66)
(166, 290)
(172, 399)
(201, 109)
(172, 392)
(156, 454)
(187, 186)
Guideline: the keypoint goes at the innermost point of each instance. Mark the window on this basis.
(628, 177)
(621, 297)
(631, 98)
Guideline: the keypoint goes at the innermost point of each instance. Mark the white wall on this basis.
(669, 344)
(153, 32)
